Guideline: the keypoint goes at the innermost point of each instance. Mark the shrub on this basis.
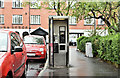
(78, 41)
(109, 48)
(92, 39)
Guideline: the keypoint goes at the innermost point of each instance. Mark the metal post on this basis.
(29, 17)
(67, 55)
(53, 40)
(49, 43)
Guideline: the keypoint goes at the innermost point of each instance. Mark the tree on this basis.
(107, 11)
(61, 8)
(119, 18)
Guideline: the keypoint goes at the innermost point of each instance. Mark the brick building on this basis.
(15, 17)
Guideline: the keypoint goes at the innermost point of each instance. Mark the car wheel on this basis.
(9, 75)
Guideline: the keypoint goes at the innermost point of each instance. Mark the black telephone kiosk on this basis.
(58, 41)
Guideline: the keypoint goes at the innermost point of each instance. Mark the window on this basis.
(1, 19)
(52, 4)
(14, 41)
(3, 42)
(1, 3)
(35, 19)
(62, 34)
(89, 21)
(72, 3)
(17, 4)
(33, 40)
(35, 4)
(17, 19)
(72, 20)
(100, 22)
(19, 40)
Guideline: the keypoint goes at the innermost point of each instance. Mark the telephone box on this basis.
(58, 41)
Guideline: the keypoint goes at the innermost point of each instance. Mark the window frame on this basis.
(15, 7)
(33, 18)
(2, 3)
(35, 1)
(2, 19)
(92, 22)
(71, 21)
(99, 20)
(14, 20)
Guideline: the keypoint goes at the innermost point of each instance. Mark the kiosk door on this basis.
(62, 39)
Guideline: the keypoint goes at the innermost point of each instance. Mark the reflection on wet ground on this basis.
(84, 67)
(34, 67)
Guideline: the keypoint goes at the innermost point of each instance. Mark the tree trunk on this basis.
(58, 8)
(119, 19)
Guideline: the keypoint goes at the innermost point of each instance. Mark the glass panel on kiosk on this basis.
(62, 34)
(62, 47)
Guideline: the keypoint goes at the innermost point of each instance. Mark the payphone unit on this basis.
(58, 41)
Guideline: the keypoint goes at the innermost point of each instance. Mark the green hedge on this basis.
(83, 40)
(79, 40)
(107, 47)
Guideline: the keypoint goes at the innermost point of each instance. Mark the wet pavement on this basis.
(84, 66)
(34, 68)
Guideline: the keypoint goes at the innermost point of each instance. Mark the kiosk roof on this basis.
(58, 17)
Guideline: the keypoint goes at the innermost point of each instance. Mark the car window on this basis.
(14, 41)
(19, 40)
(3, 42)
(33, 40)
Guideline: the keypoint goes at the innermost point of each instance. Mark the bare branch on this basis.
(105, 7)
(68, 8)
(109, 11)
(116, 7)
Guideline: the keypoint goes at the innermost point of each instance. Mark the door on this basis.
(17, 55)
(23, 47)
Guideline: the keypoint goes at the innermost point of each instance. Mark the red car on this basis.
(36, 47)
(13, 55)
